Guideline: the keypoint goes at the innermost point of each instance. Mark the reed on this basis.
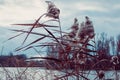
(68, 52)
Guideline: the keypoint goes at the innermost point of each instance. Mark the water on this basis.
(18, 73)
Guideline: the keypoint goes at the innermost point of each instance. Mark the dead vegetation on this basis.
(68, 52)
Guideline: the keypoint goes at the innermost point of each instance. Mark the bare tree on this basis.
(118, 45)
(103, 46)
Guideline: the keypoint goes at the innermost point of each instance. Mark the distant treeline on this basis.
(106, 45)
(18, 61)
(12, 60)
(104, 62)
(106, 48)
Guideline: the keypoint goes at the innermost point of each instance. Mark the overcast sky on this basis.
(103, 13)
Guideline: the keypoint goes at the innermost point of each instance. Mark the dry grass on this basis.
(72, 53)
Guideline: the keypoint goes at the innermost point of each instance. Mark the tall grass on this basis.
(71, 52)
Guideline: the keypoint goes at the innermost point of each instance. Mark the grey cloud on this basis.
(1, 2)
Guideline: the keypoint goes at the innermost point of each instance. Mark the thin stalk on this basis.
(2, 50)
(33, 27)
(60, 28)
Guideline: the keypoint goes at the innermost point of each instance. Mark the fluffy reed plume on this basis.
(101, 74)
(114, 60)
(52, 10)
(69, 52)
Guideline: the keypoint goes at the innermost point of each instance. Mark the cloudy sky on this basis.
(103, 13)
